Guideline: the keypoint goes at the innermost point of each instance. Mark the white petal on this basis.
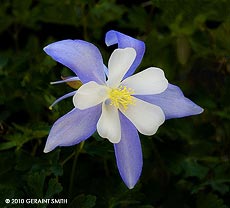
(146, 117)
(109, 125)
(147, 82)
(89, 95)
(119, 63)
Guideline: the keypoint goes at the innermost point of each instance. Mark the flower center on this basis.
(121, 97)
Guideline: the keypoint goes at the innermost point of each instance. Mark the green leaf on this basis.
(83, 201)
(209, 201)
(7, 145)
(54, 187)
(193, 169)
(35, 182)
(219, 185)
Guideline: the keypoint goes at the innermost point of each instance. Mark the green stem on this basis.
(77, 153)
(68, 158)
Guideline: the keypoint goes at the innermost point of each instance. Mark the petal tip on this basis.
(114, 141)
(131, 187)
(50, 146)
(197, 109)
(201, 110)
(131, 183)
(45, 49)
(47, 149)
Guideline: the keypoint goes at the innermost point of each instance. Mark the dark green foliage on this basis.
(186, 164)
(83, 201)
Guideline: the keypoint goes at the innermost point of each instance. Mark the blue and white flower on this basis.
(115, 102)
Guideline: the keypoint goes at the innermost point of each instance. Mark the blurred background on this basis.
(186, 164)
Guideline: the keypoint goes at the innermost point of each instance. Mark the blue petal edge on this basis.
(114, 37)
(82, 57)
(128, 153)
(173, 102)
(73, 128)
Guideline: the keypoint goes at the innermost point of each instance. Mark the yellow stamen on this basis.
(121, 97)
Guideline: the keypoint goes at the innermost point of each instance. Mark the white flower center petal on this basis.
(89, 95)
(119, 63)
(149, 81)
(109, 125)
(146, 117)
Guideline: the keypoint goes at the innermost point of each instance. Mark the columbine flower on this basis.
(117, 106)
